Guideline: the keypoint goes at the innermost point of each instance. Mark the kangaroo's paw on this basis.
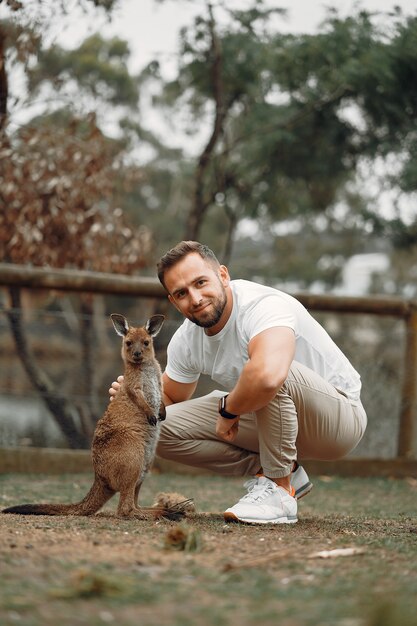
(133, 513)
(126, 514)
(141, 514)
(162, 413)
(152, 420)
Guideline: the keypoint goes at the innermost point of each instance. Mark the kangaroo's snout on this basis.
(137, 356)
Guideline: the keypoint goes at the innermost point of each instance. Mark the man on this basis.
(291, 392)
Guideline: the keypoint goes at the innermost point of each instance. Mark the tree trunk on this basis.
(201, 204)
(4, 91)
(228, 246)
(58, 405)
(89, 355)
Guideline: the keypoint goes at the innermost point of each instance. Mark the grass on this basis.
(103, 570)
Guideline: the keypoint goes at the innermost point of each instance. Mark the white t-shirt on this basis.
(256, 308)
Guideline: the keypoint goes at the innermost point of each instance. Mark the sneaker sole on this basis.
(231, 517)
(303, 491)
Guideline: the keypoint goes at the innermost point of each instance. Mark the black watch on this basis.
(222, 409)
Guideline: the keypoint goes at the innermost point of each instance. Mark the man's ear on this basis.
(224, 275)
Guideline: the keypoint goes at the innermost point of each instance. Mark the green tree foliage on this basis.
(98, 67)
(290, 118)
(372, 68)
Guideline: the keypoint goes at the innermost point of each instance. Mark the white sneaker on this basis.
(265, 503)
(301, 482)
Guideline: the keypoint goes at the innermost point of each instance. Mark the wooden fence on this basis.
(402, 308)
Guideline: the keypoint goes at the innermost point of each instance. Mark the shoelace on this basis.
(256, 491)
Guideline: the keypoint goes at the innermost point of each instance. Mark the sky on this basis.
(152, 28)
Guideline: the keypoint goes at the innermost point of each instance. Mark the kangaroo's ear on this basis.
(120, 324)
(154, 324)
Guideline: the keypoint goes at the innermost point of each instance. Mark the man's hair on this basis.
(180, 251)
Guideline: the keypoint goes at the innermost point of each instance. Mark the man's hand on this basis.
(227, 429)
(115, 387)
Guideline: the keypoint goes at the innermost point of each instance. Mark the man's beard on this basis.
(219, 304)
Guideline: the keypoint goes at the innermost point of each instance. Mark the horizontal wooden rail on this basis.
(373, 305)
(28, 460)
(135, 286)
(77, 280)
(139, 286)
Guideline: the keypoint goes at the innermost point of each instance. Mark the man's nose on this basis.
(195, 296)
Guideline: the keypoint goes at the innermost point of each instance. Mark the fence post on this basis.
(408, 410)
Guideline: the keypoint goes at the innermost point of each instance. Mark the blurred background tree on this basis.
(291, 129)
(294, 137)
(294, 122)
(60, 181)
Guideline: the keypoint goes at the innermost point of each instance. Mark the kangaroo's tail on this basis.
(93, 501)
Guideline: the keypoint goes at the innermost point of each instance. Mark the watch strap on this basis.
(222, 409)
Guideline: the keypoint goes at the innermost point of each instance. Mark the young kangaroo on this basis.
(126, 435)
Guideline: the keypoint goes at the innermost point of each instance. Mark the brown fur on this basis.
(170, 501)
(126, 435)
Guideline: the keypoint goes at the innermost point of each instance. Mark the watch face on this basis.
(222, 409)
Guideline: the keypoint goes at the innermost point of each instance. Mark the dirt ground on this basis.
(218, 571)
(104, 536)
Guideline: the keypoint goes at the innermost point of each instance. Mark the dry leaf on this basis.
(326, 479)
(56, 207)
(330, 554)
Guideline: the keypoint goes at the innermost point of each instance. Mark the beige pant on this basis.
(307, 419)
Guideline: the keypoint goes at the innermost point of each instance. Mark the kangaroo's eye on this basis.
(128, 343)
(146, 343)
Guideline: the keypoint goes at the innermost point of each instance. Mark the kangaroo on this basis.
(126, 435)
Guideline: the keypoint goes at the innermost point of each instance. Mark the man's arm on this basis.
(270, 356)
(173, 391)
(176, 392)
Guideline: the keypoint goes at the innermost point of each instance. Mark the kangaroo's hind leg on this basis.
(137, 489)
(143, 471)
(127, 503)
(129, 494)
(144, 468)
